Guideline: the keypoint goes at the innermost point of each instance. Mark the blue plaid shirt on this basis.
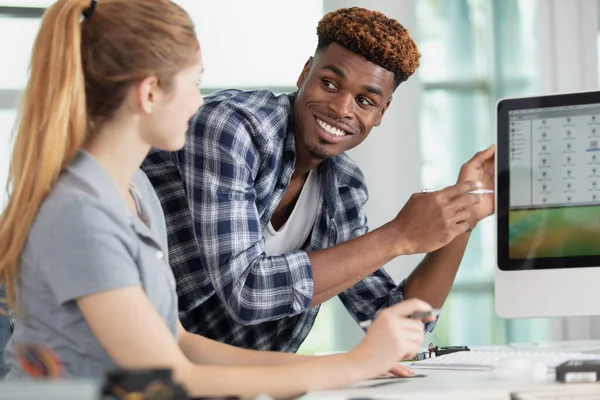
(6, 323)
(220, 192)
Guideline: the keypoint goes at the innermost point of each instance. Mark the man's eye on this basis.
(364, 102)
(328, 84)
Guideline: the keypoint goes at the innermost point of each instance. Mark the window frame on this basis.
(492, 85)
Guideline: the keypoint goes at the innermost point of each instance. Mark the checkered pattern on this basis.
(220, 192)
(6, 324)
(5, 312)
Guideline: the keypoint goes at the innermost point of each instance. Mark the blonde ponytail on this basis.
(80, 75)
(52, 122)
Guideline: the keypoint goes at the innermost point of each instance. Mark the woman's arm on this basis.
(201, 350)
(142, 331)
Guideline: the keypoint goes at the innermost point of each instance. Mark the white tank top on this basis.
(295, 231)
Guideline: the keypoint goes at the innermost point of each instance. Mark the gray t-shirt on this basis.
(86, 240)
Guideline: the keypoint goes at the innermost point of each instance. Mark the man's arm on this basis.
(219, 166)
(377, 291)
(425, 223)
(338, 268)
(433, 278)
(431, 281)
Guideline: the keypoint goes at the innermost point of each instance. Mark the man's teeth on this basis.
(331, 129)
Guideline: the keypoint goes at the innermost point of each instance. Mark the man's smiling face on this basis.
(341, 97)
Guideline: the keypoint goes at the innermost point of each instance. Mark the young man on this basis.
(265, 209)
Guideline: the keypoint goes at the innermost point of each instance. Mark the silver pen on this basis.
(418, 315)
(476, 191)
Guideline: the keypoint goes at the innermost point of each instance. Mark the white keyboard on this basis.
(486, 360)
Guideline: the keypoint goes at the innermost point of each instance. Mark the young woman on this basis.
(83, 248)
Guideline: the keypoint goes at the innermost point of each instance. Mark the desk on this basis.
(448, 384)
(437, 384)
(47, 390)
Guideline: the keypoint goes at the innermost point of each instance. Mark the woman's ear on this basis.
(147, 93)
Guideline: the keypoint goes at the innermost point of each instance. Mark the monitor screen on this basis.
(549, 183)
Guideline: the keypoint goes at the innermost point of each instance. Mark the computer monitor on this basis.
(548, 206)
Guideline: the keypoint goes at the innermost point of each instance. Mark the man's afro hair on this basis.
(372, 35)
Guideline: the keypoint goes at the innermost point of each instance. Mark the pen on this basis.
(476, 191)
(417, 315)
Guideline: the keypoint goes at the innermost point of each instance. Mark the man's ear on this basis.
(304, 73)
(380, 116)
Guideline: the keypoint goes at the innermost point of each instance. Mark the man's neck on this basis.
(304, 162)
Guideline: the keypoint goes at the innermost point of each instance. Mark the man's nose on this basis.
(342, 105)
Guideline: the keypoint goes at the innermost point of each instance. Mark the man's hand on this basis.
(429, 221)
(480, 168)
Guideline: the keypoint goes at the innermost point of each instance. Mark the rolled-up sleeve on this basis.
(220, 164)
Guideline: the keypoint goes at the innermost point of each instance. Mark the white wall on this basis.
(390, 158)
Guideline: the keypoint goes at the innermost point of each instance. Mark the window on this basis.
(21, 26)
(259, 43)
(18, 50)
(474, 52)
(7, 119)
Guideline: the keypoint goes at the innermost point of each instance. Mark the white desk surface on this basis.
(437, 384)
(448, 385)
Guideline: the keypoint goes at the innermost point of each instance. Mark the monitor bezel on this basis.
(504, 106)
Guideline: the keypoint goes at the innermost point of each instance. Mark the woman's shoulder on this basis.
(75, 211)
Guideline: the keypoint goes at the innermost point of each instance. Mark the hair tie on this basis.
(87, 13)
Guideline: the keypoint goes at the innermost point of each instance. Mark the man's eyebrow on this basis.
(374, 90)
(335, 70)
(341, 74)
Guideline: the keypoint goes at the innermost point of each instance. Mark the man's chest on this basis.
(277, 195)
(289, 200)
